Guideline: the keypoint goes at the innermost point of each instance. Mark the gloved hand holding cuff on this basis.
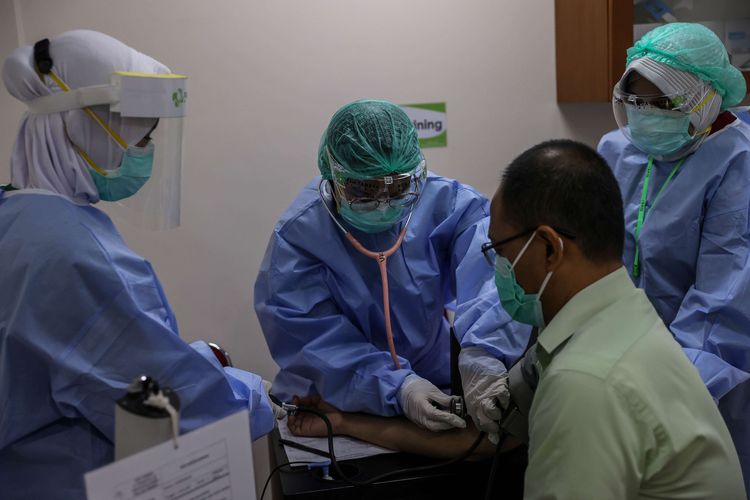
(421, 402)
(485, 383)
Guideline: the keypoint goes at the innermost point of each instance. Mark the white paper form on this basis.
(214, 462)
(346, 448)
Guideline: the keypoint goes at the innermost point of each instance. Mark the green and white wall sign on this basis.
(429, 119)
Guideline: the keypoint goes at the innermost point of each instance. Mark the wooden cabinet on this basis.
(591, 40)
(591, 37)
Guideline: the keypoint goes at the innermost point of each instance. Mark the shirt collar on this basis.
(582, 307)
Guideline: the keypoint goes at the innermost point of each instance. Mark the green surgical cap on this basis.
(695, 49)
(370, 139)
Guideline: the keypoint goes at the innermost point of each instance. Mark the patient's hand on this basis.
(309, 424)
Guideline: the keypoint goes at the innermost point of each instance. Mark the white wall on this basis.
(10, 109)
(265, 77)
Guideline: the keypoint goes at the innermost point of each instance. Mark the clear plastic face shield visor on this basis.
(150, 108)
(364, 194)
(642, 118)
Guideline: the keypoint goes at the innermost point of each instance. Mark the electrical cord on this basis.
(278, 468)
(488, 494)
(380, 477)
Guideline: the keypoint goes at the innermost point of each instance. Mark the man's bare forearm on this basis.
(402, 435)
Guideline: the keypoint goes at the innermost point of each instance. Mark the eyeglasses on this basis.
(488, 249)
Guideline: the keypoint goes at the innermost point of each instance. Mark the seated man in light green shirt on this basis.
(619, 412)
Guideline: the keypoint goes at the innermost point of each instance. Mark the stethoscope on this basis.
(382, 259)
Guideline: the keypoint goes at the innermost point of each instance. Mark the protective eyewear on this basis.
(363, 195)
(685, 102)
(677, 106)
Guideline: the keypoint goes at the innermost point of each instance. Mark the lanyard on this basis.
(642, 213)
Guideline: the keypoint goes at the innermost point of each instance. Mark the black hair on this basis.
(566, 185)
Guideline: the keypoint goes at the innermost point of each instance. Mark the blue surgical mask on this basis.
(129, 177)
(521, 306)
(372, 221)
(657, 132)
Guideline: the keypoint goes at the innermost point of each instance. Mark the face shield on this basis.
(141, 115)
(666, 126)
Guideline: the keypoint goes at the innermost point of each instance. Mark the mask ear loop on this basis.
(523, 250)
(549, 274)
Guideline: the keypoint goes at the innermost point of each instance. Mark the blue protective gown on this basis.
(81, 315)
(744, 116)
(695, 259)
(320, 302)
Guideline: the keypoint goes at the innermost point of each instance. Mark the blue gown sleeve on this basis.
(247, 388)
(713, 322)
(309, 336)
(480, 319)
(133, 332)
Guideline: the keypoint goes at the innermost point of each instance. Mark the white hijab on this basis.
(43, 155)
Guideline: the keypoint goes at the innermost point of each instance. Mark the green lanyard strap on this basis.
(642, 213)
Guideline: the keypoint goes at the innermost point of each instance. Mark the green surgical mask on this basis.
(372, 221)
(521, 306)
(129, 177)
(656, 132)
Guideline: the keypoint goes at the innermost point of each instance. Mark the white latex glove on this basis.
(485, 382)
(421, 402)
(278, 411)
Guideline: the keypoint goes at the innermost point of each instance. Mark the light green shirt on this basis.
(620, 412)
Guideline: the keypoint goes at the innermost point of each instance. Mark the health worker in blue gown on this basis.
(683, 165)
(360, 268)
(81, 314)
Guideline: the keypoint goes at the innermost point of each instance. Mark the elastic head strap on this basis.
(80, 98)
(43, 62)
(709, 95)
(42, 59)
